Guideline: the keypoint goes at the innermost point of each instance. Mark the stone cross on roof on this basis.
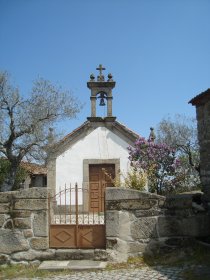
(101, 76)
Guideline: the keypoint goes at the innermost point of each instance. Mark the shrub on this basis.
(4, 171)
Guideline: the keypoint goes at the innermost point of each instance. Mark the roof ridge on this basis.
(198, 98)
(130, 130)
(69, 134)
(130, 134)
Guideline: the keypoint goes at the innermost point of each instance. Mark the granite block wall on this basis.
(136, 222)
(24, 226)
(140, 222)
(203, 124)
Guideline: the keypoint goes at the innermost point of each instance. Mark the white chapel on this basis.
(96, 148)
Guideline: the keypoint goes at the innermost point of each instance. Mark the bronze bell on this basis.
(102, 103)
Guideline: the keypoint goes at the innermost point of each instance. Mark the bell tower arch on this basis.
(101, 89)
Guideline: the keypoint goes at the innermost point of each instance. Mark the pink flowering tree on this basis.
(159, 162)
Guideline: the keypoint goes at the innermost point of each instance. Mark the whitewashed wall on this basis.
(99, 144)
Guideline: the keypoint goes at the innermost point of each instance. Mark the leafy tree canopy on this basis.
(25, 122)
(159, 163)
(180, 133)
(170, 160)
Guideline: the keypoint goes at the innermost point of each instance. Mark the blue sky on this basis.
(157, 50)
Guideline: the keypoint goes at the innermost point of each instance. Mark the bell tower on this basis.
(101, 89)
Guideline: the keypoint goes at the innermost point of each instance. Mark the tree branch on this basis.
(3, 151)
(25, 150)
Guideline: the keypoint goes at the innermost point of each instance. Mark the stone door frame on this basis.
(87, 162)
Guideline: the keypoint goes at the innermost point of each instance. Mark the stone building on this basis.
(202, 103)
(37, 175)
(99, 143)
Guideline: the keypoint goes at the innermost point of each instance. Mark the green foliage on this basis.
(180, 133)
(4, 171)
(20, 177)
(189, 179)
(158, 162)
(135, 179)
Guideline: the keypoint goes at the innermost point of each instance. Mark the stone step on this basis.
(81, 254)
(72, 265)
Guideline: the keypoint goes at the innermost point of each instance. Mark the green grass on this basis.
(27, 271)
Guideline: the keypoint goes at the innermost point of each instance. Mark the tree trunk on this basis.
(10, 179)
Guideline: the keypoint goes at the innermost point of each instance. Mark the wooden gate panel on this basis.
(71, 226)
(91, 236)
(62, 236)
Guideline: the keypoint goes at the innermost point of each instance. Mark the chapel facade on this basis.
(96, 148)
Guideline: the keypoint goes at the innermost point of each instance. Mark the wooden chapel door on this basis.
(100, 177)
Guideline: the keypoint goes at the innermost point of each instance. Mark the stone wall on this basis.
(202, 103)
(138, 222)
(24, 235)
(24, 226)
(203, 124)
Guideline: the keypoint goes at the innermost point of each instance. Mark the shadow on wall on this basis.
(149, 225)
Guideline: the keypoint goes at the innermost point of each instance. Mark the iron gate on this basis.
(73, 223)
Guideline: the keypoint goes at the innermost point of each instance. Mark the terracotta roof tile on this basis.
(34, 169)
